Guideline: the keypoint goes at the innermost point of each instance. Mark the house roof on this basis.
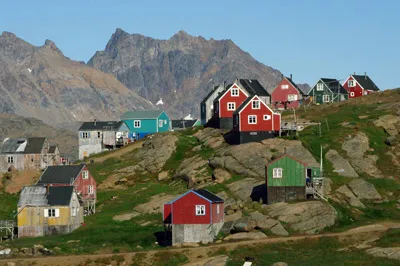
(210, 93)
(304, 88)
(286, 155)
(148, 114)
(294, 84)
(59, 195)
(208, 195)
(23, 145)
(61, 174)
(102, 125)
(52, 149)
(179, 123)
(35, 145)
(33, 196)
(334, 85)
(366, 82)
(253, 87)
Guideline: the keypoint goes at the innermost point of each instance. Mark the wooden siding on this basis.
(217, 217)
(167, 213)
(357, 90)
(261, 125)
(227, 98)
(184, 210)
(285, 194)
(165, 124)
(281, 95)
(293, 173)
(82, 185)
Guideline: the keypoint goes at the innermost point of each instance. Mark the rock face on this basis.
(245, 235)
(40, 82)
(364, 190)
(221, 175)
(309, 217)
(155, 153)
(391, 253)
(242, 189)
(194, 171)
(340, 165)
(349, 197)
(391, 124)
(178, 70)
(356, 148)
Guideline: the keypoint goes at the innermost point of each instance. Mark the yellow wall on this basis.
(33, 216)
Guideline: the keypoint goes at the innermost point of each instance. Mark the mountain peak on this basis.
(51, 45)
(181, 35)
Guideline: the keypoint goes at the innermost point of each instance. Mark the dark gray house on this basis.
(328, 90)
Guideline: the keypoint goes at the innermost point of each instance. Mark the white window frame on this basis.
(73, 211)
(85, 135)
(160, 123)
(90, 189)
(351, 83)
(217, 208)
(85, 174)
(200, 210)
(352, 93)
(137, 123)
(250, 119)
(267, 117)
(326, 98)
(236, 94)
(10, 159)
(231, 106)
(255, 104)
(98, 134)
(277, 173)
(320, 87)
(165, 122)
(284, 86)
(292, 97)
(51, 213)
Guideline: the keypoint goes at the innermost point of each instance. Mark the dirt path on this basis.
(194, 252)
(119, 152)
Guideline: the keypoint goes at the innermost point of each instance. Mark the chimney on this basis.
(291, 77)
(354, 73)
(365, 75)
(94, 122)
(282, 76)
(224, 83)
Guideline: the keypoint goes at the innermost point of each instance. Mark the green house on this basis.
(286, 179)
(328, 90)
(142, 123)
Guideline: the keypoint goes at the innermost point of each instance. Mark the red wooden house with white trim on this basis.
(196, 216)
(78, 176)
(255, 121)
(286, 94)
(233, 96)
(359, 85)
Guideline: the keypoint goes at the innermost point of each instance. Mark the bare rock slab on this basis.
(340, 165)
(391, 252)
(245, 235)
(364, 190)
(349, 197)
(242, 189)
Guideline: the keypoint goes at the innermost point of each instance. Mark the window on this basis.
(326, 98)
(85, 135)
(160, 123)
(200, 210)
(277, 173)
(320, 87)
(256, 104)
(73, 211)
(85, 174)
(285, 87)
(292, 97)
(32, 158)
(217, 208)
(90, 190)
(99, 134)
(352, 94)
(235, 92)
(51, 213)
(252, 119)
(137, 124)
(165, 122)
(10, 159)
(231, 106)
(351, 83)
(267, 117)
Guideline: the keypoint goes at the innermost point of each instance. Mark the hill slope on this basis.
(41, 82)
(178, 70)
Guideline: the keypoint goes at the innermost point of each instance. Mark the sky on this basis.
(309, 39)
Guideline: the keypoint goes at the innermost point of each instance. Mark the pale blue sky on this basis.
(309, 38)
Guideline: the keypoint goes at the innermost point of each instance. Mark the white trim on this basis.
(244, 107)
(352, 94)
(322, 85)
(236, 95)
(134, 124)
(223, 95)
(268, 117)
(326, 98)
(200, 210)
(85, 173)
(252, 104)
(234, 106)
(248, 119)
(277, 173)
(353, 83)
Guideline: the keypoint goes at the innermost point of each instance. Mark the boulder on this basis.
(242, 189)
(246, 235)
(349, 197)
(221, 175)
(163, 175)
(391, 141)
(364, 190)
(309, 217)
(390, 123)
(233, 216)
(390, 252)
(244, 224)
(340, 165)
(194, 171)
(262, 221)
(279, 230)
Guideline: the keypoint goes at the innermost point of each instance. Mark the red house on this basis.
(255, 121)
(286, 94)
(234, 95)
(73, 175)
(196, 216)
(359, 85)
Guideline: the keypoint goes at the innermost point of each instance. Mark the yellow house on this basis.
(48, 210)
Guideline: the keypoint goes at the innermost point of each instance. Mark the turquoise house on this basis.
(142, 123)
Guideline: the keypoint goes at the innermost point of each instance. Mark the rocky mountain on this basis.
(180, 70)
(40, 82)
(13, 126)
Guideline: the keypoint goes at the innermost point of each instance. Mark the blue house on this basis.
(142, 123)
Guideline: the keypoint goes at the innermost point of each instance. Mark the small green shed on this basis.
(142, 123)
(286, 178)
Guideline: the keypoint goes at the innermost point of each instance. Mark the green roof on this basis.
(152, 114)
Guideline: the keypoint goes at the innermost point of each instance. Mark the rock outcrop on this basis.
(391, 124)
(246, 235)
(364, 190)
(340, 165)
(390, 253)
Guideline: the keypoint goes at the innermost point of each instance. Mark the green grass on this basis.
(8, 205)
(390, 239)
(308, 252)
